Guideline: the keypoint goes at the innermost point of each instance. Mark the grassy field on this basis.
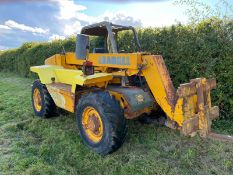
(29, 145)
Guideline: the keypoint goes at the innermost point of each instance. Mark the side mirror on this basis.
(82, 46)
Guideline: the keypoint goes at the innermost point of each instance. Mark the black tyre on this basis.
(42, 103)
(101, 122)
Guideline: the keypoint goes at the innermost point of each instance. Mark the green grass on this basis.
(30, 145)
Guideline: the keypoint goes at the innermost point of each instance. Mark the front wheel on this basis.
(101, 122)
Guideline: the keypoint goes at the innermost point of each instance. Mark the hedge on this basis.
(190, 51)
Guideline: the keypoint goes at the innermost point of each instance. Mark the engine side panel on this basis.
(134, 100)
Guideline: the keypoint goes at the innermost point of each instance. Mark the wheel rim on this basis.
(37, 99)
(92, 124)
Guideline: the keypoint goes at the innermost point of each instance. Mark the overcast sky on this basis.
(43, 20)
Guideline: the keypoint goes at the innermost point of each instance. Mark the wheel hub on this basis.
(92, 124)
(37, 99)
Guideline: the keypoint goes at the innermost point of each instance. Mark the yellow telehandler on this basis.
(104, 86)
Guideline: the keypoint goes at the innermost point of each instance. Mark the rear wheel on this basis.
(101, 122)
(42, 103)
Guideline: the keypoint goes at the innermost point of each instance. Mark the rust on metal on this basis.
(187, 89)
(93, 124)
(190, 125)
(198, 112)
(168, 85)
(211, 83)
(220, 137)
(203, 114)
(214, 112)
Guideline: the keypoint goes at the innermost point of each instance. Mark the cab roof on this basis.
(101, 29)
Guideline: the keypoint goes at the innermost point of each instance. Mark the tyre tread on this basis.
(115, 113)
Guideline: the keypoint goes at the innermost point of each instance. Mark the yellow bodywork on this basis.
(62, 95)
(189, 106)
(57, 74)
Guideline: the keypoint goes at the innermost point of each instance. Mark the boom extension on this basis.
(189, 106)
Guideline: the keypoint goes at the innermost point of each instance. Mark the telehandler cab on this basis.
(105, 86)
